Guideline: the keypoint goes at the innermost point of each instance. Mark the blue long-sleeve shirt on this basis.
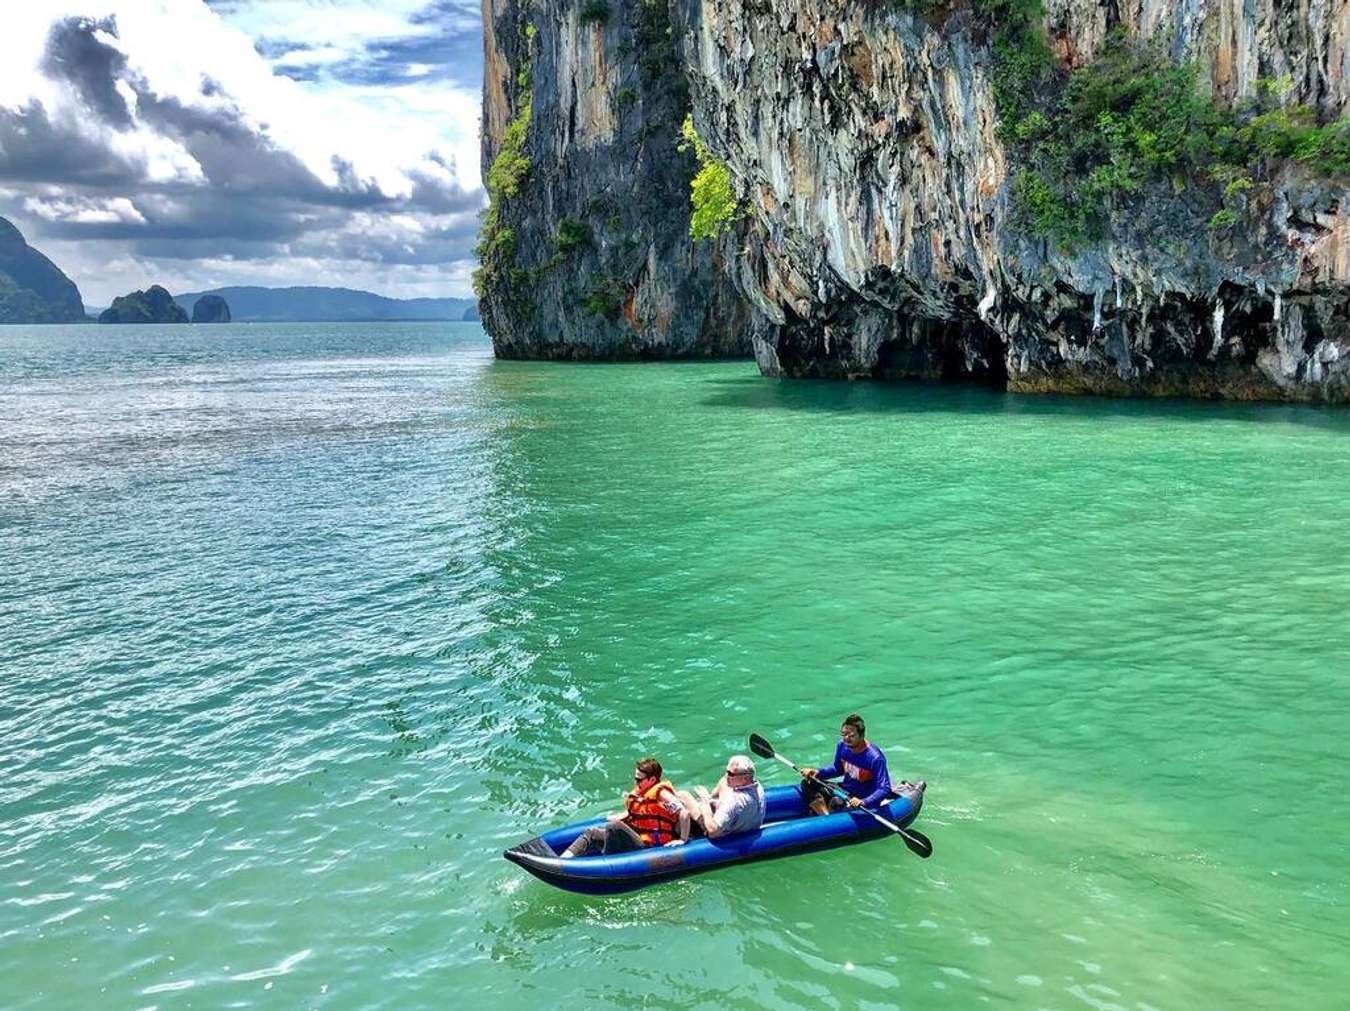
(865, 774)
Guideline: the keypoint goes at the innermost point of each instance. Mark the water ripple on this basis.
(305, 624)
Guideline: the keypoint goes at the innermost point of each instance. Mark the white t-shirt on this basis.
(740, 810)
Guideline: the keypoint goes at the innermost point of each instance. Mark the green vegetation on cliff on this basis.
(497, 242)
(594, 12)
(1094, 138)
(572, 235)
(711, 196)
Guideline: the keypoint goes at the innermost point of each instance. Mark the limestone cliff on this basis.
(906, 169)
(586, 250)
(867, 143)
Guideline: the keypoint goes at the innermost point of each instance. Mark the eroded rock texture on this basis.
(597, 262)
(865, 141)
(880, 239)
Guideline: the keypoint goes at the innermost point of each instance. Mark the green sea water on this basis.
(301, 626)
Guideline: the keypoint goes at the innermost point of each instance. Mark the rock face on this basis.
(211, 309)
(865, 140)
(586, 249)
(32, 288)
(882, 238)
(154, 305)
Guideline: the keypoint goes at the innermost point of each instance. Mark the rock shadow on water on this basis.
(829, 396)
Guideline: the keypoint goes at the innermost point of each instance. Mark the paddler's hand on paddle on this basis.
(811, 773)
(854, 802)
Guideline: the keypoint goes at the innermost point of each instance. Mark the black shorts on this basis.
(813, 788)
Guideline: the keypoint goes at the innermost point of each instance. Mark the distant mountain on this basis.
(154, 305)
(326, 305)
(32, 288)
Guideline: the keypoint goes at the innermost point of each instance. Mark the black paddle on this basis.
(916, 841)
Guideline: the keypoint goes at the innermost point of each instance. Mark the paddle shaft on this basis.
(840, 793)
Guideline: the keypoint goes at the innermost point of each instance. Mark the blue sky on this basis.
(198, 143)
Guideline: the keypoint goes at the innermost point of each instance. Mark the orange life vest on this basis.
(654, 823)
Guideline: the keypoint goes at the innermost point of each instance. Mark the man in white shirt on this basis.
(736, 804)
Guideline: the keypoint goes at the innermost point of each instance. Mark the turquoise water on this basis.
(302, 625)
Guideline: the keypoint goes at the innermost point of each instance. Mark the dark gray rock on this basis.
(591, 258)
(32, 288)
(154, 305)
(866, 144)
(211, 309)
(880, 239)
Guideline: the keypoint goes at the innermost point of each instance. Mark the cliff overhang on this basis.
(1057, 197)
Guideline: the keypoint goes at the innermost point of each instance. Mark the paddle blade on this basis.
(917, 842)
(761, 747)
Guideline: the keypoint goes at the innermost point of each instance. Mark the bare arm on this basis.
(709, 819)
(682, 827)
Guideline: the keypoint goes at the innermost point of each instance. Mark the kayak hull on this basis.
(788, 830)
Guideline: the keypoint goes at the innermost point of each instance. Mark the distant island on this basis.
(327, 305)
(32, 288)
(154, 305)
(211, 309)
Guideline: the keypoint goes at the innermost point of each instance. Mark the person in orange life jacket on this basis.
(652, 816)
(866, 778)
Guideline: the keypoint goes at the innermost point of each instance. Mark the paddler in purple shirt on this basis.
(866, 779)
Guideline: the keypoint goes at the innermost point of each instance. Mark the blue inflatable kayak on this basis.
(787, 830)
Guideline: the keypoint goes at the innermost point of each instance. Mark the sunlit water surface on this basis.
(302, 625)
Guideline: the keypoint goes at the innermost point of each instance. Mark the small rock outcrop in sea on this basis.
(32, 288)
(154, 305)
(1041, 195)
(585, 247)
(211, 309)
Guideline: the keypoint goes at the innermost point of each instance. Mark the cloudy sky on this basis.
(199, 143)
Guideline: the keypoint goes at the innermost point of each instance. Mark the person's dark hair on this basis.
(856, 722)
(649, 767)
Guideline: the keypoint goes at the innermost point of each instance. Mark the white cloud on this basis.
(347, 25)
(85, 210)
(193, 99)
